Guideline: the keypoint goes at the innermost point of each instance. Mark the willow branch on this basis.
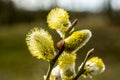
(60, 47)
(81, 71)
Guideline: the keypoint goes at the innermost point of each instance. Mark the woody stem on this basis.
(81, 71)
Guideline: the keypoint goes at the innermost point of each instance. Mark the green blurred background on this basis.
(16, 62)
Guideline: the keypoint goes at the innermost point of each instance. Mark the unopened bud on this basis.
(60, 45)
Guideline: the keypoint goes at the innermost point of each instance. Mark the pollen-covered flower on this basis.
(66, 59)
(58, 19)
(66, 63)
(94, 66)
(77, 40)
(40, 44)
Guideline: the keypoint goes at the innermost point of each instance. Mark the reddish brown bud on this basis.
(60, 45)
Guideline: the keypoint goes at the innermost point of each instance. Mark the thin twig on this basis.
(73, 24)
(52, 63)
(81, 71)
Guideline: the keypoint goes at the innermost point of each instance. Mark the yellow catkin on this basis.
(66, 59)
(77, 40)
(40, 44)
(97, 61)
(94, 66)
(57, 18)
